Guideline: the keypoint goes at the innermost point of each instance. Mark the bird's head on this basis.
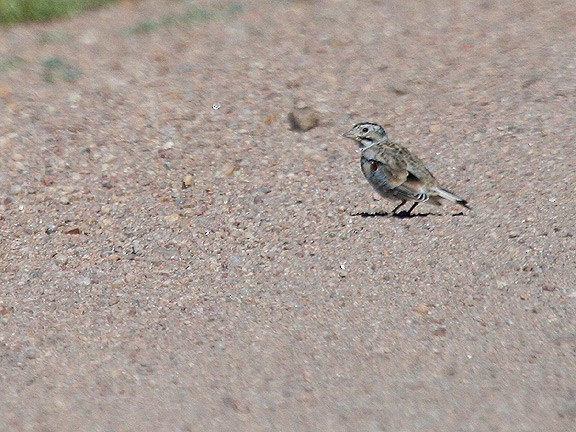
(367, 134)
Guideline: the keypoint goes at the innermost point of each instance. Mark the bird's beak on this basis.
(348, 134)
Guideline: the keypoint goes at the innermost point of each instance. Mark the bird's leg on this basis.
(398, 206)
(412, 208)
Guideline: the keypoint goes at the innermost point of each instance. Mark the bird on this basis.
(394, 172)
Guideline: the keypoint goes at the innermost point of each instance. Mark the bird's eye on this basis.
(365, 130)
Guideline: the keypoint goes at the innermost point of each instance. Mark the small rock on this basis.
(171, 218)
(566, 342)
(303, 118)
(6, 310)
(235, 261)
(235, 404)
(271, 119)
(399, 88)
(5, 93)
(227, 170)
(435, 128)
(440, 331)
(318, 157)
(568, 409)
(108, 157)
(30, 353)
(168, 252)
(422, 309)
(51, 229)
(107, 183)
(74, 97)
(105, 222)
(61, 260)
(15, 189)
(187, 181)
(117, 284)
(549, 288)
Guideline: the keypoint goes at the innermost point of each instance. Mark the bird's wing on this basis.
(418, 179)
(417, 168)
(386, 171)
(393, 168)
(412, 189)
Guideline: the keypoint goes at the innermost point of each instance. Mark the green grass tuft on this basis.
(192, 15)
(54, 36)
(8, 63)
(55, 68)
(15, 11)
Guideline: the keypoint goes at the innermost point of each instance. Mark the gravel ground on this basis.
(176, 257)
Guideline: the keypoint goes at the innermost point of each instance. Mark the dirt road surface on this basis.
(175, 257)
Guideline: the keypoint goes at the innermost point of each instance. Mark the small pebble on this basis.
(399, 88)
(108, 157)
(227, 170)
(271, 119)
(171, 218)
(107, 183)
(303, 119)
(74, 97)
(51, 229)
(568, 409)
(117, 284)
(30, 353)
(440, 331)
(422, 309)
(15, 189)
(235, 261)
(187, 181)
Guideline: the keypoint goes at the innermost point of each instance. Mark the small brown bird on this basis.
(394, 172)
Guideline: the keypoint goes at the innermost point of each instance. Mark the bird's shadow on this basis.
(399, 215)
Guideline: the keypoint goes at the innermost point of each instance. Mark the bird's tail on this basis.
(443, 193)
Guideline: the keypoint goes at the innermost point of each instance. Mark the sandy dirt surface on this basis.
(174, 257)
